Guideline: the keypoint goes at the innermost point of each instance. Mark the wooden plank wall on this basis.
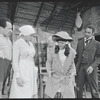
(4, 9)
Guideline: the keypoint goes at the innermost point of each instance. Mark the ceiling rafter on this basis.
(75, 5)
(72, 28)
(85, 6)
(12, 10)
(63, 23)
(38, 15)
(59, 14)
(52, 14)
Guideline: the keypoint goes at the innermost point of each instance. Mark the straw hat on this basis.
(62, 36)
(27, 30)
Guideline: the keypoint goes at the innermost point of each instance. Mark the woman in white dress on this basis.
(24, 82)
(60, 68)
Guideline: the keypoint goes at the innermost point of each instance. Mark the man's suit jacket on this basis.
(93, 53)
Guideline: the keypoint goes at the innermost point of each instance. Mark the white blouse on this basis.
(62, 59)
(62, 56)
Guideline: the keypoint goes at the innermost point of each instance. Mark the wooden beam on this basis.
(75, 5)
(52, 14)
(9, 9)
(12, 10)
(38, 15)
(72, 27)
(63, 23)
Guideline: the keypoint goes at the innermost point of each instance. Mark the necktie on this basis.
(87, 41)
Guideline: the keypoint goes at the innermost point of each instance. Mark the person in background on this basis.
(24, 82)
(87, 61)
(60, 68)
(5, 49)
(16, 33)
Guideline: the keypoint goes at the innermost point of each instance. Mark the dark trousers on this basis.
(7, 76)
(4, 65)
(91, 79)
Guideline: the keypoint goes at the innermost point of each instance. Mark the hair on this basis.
(3, 22)
(61, 39)
(58, 38)
(91, 27)
(66, 53)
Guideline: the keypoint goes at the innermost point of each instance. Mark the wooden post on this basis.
(39, 65)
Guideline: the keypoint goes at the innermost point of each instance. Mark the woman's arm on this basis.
(16, 60)
(72, 67)
(19, 80)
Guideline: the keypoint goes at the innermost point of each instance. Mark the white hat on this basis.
(62, 35)
(27, 30)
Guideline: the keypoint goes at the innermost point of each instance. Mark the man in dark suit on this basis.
(87, 60)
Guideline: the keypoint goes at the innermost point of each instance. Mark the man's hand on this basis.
(89, 70)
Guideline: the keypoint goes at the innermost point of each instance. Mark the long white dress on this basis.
(24, 67)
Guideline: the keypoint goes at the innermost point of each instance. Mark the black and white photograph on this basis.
(50, 49)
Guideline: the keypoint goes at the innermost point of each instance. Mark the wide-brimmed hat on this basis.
(62, 36)
(27, 30)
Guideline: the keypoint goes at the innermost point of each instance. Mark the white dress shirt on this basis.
(5, 47)
(87, 39)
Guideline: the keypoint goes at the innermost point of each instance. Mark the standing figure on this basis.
(87, 61)
(60, 68)
(5, 50)
(24, 82)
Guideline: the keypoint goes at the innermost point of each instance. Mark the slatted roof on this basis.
(52, 15)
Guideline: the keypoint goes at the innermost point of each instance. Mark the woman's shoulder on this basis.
(18, 42)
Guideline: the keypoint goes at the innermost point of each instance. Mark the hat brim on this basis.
(58, 38)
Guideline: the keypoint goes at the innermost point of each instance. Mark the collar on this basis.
(87, 39)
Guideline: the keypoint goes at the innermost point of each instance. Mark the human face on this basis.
(29, 37)
(88, 33)
(8, 29)
(61, 44)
